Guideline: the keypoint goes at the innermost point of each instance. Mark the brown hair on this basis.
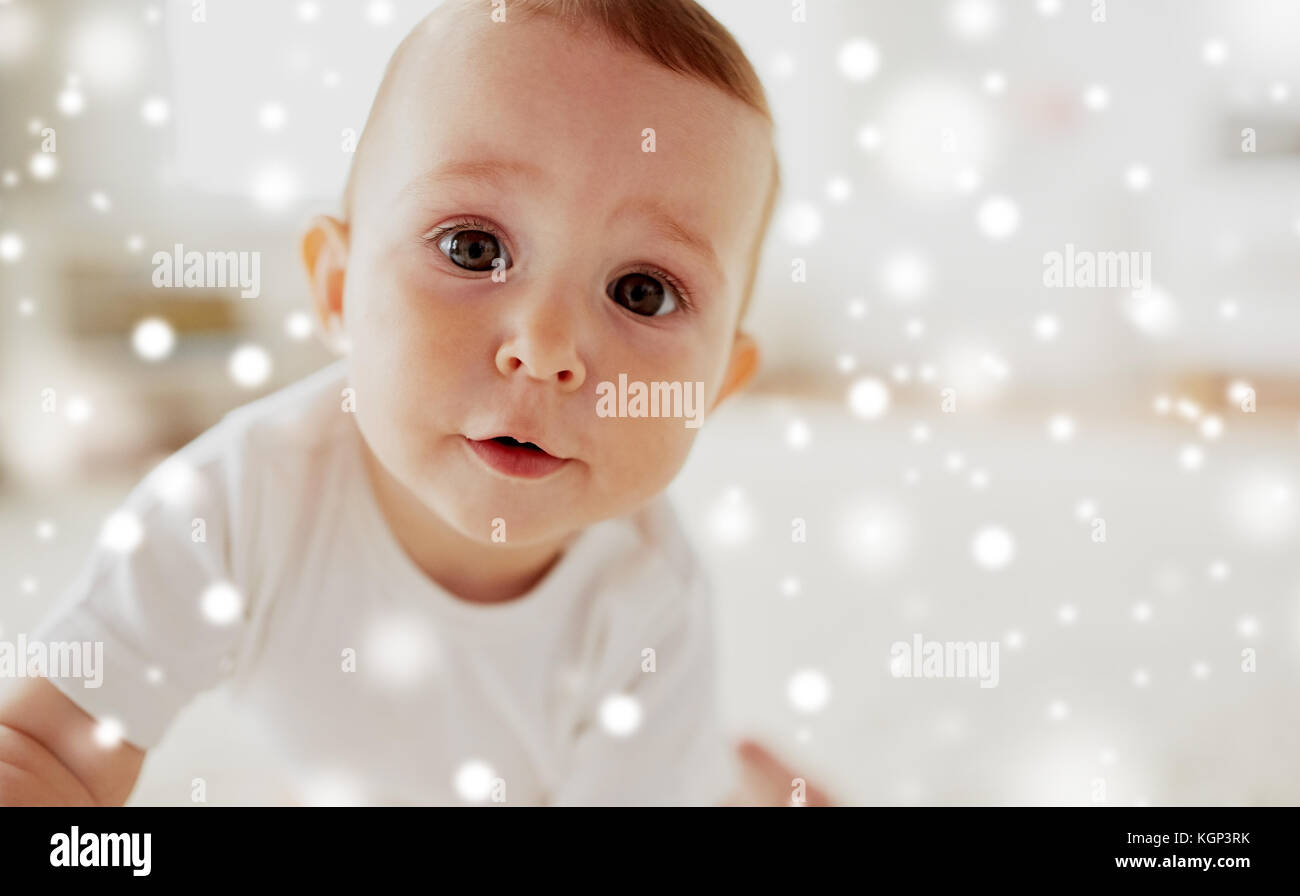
(679, 35)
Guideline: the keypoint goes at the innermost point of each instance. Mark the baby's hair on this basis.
(678, 34)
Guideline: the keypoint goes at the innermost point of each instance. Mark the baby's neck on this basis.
(468, 569)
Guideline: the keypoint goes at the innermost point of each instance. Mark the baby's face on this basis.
(512, 246)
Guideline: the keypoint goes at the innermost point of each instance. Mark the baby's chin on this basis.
(494, 510)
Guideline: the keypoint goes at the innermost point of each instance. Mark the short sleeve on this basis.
(159, 594)
(678, 753)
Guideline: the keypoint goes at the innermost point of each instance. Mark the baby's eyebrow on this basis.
(671, 229)
(485, 171)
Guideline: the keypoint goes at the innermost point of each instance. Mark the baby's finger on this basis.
(778, 779)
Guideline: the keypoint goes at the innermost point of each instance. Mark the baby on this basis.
(433, 569)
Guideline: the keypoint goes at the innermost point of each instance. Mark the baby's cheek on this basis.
(642, 455)
(389, 389)
(406, 332)
(373, 416)
(448, 320)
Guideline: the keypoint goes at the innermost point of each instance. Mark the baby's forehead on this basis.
(552, 74)
(540, 111)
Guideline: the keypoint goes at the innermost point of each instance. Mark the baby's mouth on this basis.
(514, 458)
(507, 440)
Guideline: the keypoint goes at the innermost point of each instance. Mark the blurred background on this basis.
(933, 153)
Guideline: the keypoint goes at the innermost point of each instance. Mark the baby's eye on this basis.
(643, 294)
(474, 250)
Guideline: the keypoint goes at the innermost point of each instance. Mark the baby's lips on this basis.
(520, 435)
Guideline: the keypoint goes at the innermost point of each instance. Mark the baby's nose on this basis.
(548, 355)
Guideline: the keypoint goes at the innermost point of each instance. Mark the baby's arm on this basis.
(49, 756)
(155, 645)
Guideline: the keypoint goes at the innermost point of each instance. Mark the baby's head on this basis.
(548, 195)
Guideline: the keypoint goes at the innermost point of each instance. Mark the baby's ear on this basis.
(325, 256)
(740, 368)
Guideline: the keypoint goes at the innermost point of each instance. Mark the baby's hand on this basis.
(766, 781)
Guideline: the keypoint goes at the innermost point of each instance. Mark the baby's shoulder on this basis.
(254, 454)
(308, 415)
(240, 490)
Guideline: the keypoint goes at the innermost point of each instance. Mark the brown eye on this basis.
(643, 294)
(474, 250)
